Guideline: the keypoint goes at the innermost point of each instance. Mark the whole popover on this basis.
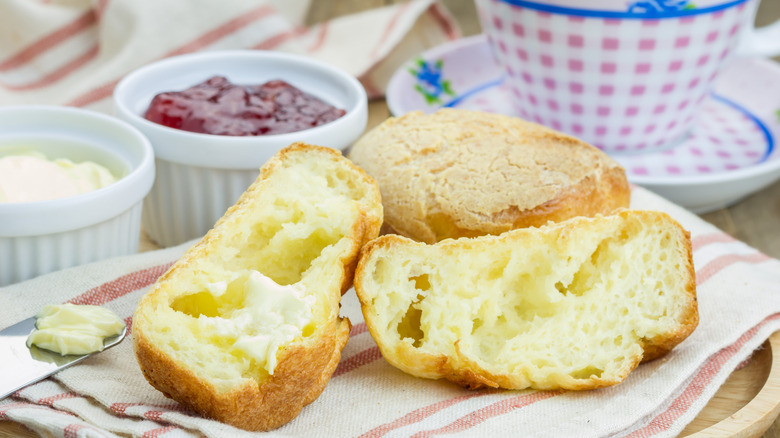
(458, 173)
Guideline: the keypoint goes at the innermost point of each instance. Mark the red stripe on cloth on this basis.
(129, 323)
(420, 414)
(121, 286)
(223, 30)
(704, 240)
(364, 357)
(445, 21)
(322, 32)
(49, 401)
(389, 29)
(710, 269)
(100, 8)
(51, 40)
(696, 387)
(159, 431)
(94, 95)
(105, 90)
(154, 415)
(121, 408)
(59, 73)
(481, 415)
(358, 329)
(72, 430)
(278, 39)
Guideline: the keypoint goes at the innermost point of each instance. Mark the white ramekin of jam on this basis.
(72, 189)
(214, 118)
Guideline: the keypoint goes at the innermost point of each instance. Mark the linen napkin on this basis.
(739, 304)
(73, 52)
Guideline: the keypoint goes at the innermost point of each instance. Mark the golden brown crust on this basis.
(260, 402)
(341, 337)
(460, 173)
(301, 376)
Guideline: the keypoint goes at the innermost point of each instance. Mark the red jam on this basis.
(219, 107)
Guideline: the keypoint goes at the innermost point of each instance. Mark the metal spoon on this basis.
(21, 365)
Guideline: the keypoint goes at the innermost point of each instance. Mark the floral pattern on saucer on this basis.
(430, 83)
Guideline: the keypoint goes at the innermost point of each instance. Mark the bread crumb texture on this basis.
(573, 305)
(245, 327)
(459, 173)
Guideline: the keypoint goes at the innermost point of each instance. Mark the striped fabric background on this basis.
(74, 53)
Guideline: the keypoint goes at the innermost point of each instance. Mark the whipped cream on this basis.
(272, 316)
(32, 177)
(74, 329)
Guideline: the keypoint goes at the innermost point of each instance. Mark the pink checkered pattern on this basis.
(621, 84)
(722, 140)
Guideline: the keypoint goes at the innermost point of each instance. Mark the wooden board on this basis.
(748, 402)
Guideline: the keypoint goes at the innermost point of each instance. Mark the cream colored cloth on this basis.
(739, 303)
(73, 52)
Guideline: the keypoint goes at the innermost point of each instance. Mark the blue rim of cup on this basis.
(656, 9)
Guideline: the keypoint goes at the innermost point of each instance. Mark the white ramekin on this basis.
(44, 236)
(200, 175)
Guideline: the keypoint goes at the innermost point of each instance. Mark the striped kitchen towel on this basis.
(106, 395)
(74, 52)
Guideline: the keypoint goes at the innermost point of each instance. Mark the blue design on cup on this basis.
(638, 9)
(651, 6)
(430, 82)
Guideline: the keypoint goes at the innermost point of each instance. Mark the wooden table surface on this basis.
(754, 220)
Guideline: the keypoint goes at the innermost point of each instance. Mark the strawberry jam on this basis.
(220, 107)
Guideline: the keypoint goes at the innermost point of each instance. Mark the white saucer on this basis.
(730, 153)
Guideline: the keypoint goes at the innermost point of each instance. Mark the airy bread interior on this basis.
(301, 223)
(572, 305)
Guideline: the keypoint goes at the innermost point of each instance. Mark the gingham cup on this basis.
(623, 81)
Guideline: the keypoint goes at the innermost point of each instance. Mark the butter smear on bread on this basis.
(273, 316)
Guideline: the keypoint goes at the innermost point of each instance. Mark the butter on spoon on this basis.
(74, 329)
(25, 364)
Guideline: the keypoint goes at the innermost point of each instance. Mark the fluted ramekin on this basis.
(200, 175)
(44, 236)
